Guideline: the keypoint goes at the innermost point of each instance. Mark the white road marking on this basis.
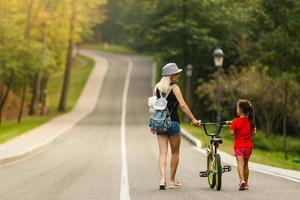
(228, 159)
(124, 192)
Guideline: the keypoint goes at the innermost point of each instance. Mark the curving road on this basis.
(87, 162)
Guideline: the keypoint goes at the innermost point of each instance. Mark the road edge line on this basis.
(252, 165)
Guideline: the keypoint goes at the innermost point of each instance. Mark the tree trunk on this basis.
(28, 20)
(268, 124)
(35, 94)
(41, 93)
(185, 46)
(26, 36)
(269, 117)
(97, 36)
(1, 94)
(22, 102)
(284, 120)
(65, 88)
(42, 89)
(41, 82)
(44, 110)
(3, 100)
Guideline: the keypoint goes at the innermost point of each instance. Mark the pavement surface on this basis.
(90, 161)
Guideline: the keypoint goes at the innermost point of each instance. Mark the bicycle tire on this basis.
(211, 175)
(218, 172)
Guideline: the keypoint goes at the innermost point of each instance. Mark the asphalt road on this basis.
(86, 162)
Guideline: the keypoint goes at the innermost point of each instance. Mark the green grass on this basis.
(79, 76)
(267, 149)
(10, 130)
(107, 47)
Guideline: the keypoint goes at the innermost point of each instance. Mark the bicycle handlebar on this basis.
(222, 124)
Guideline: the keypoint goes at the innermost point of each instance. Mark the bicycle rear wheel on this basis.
(210, 170)
(218, 172)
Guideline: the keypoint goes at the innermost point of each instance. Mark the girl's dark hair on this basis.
(246, 107)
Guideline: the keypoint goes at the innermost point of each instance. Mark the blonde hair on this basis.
(164, 84)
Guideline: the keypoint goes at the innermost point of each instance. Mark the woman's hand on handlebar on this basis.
(196, 122)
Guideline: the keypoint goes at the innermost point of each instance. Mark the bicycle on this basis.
(214, 166)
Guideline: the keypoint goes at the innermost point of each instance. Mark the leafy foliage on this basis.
(251, 33)
(34, 38)
(265, 92)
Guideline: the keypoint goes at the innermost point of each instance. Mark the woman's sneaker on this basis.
(242, 185)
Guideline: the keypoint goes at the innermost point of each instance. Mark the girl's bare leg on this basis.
(240, 166)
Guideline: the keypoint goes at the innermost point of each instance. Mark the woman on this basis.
(171, 74)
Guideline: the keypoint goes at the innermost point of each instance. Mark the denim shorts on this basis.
(173, 130)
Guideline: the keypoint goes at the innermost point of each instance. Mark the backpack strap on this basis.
(167, 93)
(154, 90)
(173, 108)
(169, 90)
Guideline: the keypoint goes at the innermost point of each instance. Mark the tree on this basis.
(9, 66)
(79, 15)
(33, 44)
(267, 94)
(275, 31)
(65, 89)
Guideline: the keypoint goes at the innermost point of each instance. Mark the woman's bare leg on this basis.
(163, 151)
(175, 147)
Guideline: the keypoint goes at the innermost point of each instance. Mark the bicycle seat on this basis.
(216, 141)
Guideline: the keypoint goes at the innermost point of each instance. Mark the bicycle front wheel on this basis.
(210, 170)
(219, 171)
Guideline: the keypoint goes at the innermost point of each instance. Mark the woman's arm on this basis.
(184, 107)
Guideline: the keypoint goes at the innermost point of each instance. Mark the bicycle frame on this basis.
(214, 167)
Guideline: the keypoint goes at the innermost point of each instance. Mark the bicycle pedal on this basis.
(227, 168)
(203, 174)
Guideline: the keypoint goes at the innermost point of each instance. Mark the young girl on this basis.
(243, 128)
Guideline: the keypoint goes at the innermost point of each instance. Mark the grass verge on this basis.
(269, 154)
(79, 75)
(107, 47)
